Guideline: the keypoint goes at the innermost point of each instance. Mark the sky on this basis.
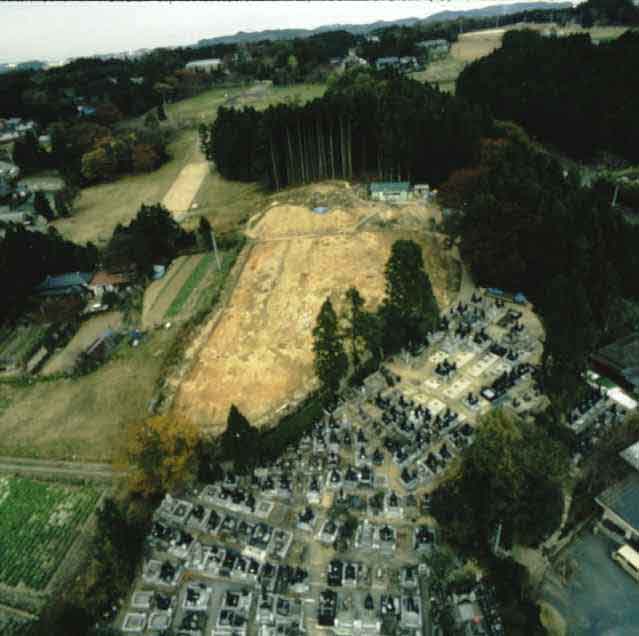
(59, 30)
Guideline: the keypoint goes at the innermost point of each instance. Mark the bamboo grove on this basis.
(367, 125)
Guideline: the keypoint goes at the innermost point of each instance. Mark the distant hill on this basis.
(361, 29)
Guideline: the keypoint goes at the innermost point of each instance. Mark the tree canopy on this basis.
(331, 361)
(567, 91)
(367, 124)
(409, 310)
(160, 454)
(513, 470)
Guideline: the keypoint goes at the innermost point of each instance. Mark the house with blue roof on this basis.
(74, 283)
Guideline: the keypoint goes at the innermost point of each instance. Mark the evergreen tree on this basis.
(331, 362)
(161, 114)
(361, 330)
(409, 310)
(204, 238)
(239, 440)
(42, 206)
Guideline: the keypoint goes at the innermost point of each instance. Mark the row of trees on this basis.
(152, 237)
(367, 124)
(566, 91)
(87, 152)
(357, 343)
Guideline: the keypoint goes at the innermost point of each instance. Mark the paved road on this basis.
(37, 467)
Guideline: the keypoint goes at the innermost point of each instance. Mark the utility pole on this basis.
(614, 196)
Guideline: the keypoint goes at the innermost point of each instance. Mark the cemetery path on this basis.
(37, 467)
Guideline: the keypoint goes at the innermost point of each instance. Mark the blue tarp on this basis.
(320, 210)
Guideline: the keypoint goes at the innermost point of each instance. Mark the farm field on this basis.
(258, 356)
(16, 345)
(83, 418)
(159, 295)
(38, 524)
(12, 625)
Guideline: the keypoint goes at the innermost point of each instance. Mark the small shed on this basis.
(390, 190)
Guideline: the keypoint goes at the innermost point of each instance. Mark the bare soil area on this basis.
(259, 355)
(181, 194)
(86, 335)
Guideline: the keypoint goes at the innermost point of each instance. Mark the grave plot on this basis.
(38, 524)
(457, 388)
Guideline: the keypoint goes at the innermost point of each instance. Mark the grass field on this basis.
(84, 417)
(102, 207)
(38, 524)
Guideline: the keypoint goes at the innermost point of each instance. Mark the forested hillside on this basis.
(367, 124)
(528, 225)
(568, 92)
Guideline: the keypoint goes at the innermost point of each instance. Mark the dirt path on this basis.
(36, 467)
(180, 196)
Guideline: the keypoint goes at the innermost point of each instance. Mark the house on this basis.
(64, 284)
(107, 282)
(620, 505)
(86, 111)
(434, 48)
(408, 62)
(619, 362)
(387, 62)
(8, 172)
(390, 191)
(205, 65)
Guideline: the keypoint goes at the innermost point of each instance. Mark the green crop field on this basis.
(11, 625)
(38, 523)
(190, 284)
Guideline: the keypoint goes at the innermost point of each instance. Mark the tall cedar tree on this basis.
(239, 440)
(331, 362)
(409, 310)
(361, 330)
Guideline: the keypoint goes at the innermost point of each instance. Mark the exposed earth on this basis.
(259, 353)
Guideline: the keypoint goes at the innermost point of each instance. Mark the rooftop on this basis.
(623, 499)
(623, 355)
(390, 186)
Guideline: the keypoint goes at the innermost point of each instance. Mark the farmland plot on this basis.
(11, 625)
(38, 523)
